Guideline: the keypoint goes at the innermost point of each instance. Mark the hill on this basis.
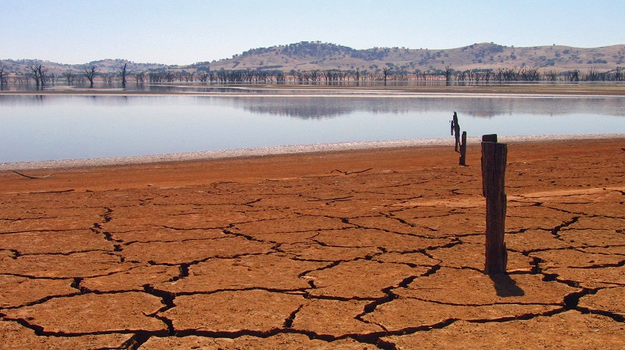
(323, 56)
(311, 56)
(102, 66)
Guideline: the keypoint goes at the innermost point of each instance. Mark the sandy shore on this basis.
(357, 249)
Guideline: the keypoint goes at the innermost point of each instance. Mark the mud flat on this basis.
(379, 248)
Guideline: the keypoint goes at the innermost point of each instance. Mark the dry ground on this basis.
(380, 249)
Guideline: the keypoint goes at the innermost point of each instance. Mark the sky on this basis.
(189, 31)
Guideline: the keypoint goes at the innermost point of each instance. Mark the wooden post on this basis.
(463, 149)
(489, 138)
(486, 138)
(494, 158)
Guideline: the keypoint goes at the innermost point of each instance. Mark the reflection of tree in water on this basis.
(319, 107)
(547, 106)
(481, 107)
(304, 109)
(42, 100)
(322, 107)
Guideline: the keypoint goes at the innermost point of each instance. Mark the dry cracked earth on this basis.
(348, 250)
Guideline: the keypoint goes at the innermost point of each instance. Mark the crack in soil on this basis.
(385, 204)
(288, 323)
(167, 299)
(556, 230)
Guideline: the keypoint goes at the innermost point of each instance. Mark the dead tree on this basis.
(551, 75)
(123, 73)
(3, 77)
(592, 74)
(448, 72)
(33, 69)
(203, 77)
(39, 74)
(69, 77)
(140, 77)
(488, 75)
(385, 72)
(42, 75)
(529, 74)
(618, 74)
(90, 74)
(357, 76)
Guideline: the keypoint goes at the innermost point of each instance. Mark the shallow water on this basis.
(44, 127)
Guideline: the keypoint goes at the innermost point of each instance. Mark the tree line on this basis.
(90, 75)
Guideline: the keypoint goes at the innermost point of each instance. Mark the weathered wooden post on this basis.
(494, 158)
(455, 130)
(463, 149)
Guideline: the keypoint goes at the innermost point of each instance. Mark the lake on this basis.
(55, 127)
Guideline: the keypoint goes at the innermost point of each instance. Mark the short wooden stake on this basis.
(494, 158)
(463, 149)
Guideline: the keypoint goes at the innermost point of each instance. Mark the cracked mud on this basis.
(379, 249)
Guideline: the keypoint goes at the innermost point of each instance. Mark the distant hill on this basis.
(310, 56)
(323, 56)
(102, 66)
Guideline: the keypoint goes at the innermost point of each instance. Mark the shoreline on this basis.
(269, 91)
(282, 150)
(503, 89)
(325, 94)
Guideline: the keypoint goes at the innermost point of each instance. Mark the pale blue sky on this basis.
(189, 31)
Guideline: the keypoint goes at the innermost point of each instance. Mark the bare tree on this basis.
(618, 74)
(448, 73)
(592, 74)
(280, 77)
(42, 75)
(551, 75)
(203, 77)
(39, 74)
(463, 76)
(357, 76)
(385, 72)
(156, 77)
(529, 74)
(3, 77)
(69, 77)
(123, 73)
(33, 69)
(488, 75)
(476, 76)
(140, 77)
(90, 74)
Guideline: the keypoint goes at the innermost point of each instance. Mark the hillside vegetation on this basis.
(322, 56)
(317, 61)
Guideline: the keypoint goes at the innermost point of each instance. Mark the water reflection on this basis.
(319, 107)
(130, 87)
(67, 100)
(49, 127)
(332, 107)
